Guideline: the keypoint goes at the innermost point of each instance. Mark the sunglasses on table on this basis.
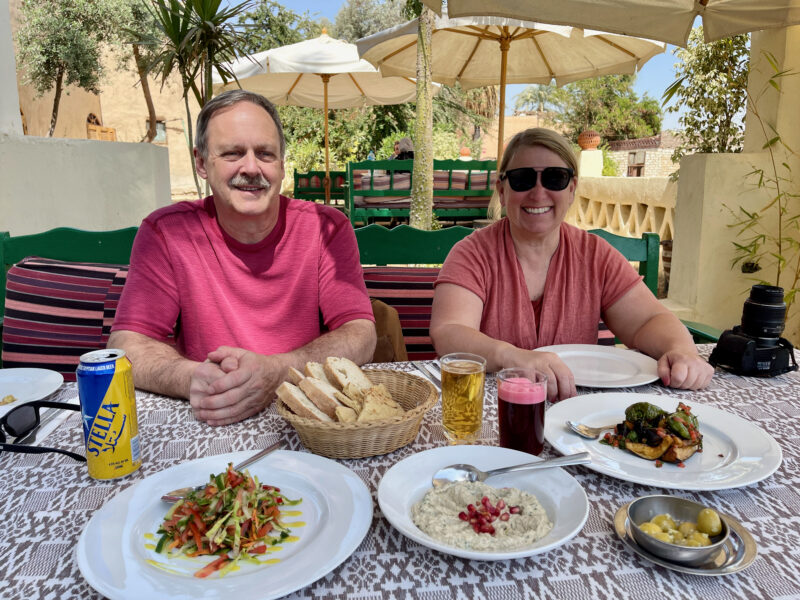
(524, 178)
(23, 420)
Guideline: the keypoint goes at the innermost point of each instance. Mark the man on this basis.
(245, 279)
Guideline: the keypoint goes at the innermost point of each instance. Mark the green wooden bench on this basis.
(382, 189)
(405, 245)
(311, 186)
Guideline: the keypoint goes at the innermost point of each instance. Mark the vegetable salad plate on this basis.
(27, 385)
(735, 452)
(559, 493)
(116, 550)
(606, 366)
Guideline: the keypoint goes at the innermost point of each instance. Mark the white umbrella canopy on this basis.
(665, 20)
(321, 73)
(481, 51)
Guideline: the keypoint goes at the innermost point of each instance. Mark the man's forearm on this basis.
(157, 367)
(354, 340)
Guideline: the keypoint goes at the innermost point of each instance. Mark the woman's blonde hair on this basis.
(539, 136)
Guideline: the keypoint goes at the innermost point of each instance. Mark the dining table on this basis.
(46, 501)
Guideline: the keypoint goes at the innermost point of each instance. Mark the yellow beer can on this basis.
(108, 406)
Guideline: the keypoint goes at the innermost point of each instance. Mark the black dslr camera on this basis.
(755, 347)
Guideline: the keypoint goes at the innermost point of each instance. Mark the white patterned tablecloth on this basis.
(46, 500)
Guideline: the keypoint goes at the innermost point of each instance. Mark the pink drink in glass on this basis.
(521, 397)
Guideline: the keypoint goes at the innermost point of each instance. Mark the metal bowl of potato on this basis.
(677, 529)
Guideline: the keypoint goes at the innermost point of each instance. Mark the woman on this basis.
(530, 280)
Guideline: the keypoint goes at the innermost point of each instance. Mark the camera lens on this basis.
(763, 312)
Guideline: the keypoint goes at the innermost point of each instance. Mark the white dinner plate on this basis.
(606, 366)
(735, 452)
(27, 385)
(337, 511)
(559, 493)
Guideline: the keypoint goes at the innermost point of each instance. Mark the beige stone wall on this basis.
(658, 162)
(125, 109)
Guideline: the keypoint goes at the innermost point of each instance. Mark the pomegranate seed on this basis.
(505, 517)
(463, 516)
(501, 503)
(513, 510)
(471, 508)
(279, 500)
(476, 528)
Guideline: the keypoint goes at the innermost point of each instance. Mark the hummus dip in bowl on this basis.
(561, 497)
(458, 515)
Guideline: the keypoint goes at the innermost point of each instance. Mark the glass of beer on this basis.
(462, 396)
(521, 397)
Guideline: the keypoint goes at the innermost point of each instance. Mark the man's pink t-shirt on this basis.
(269, 297)
(585, 277)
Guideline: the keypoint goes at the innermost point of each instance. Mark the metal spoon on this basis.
(181, 493)
(591, 433)
(455, 473)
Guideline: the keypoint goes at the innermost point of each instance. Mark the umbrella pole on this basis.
(504, 45)
(325, 78)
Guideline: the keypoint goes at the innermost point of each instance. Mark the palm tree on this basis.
(538, 97)
(195, 37)
(421, 210)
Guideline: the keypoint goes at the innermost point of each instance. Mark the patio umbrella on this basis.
(481, 51)
(321, 73)
(665, 20)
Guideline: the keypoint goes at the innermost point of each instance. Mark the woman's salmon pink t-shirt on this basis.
(585, 277)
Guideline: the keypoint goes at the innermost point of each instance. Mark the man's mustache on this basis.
(245, 181)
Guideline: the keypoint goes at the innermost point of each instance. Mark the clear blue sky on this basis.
(653, 79)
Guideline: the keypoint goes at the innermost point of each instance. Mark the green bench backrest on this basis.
(402, 245)
(65, 243)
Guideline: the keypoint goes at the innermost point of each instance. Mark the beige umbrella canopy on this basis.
(321, 73)
(481, 51)
(666, 20)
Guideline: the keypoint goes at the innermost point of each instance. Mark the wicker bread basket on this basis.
(358, 440)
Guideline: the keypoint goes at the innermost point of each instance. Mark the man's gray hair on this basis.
(230, 98)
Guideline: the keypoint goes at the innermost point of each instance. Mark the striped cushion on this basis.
(410, 291)
(56, 311)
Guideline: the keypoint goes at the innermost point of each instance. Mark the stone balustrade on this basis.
(626, 206)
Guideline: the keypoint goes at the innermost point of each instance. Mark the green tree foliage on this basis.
(536, 98)
(360, 18)
(60, 43)
(609, 106)
(194, 38)
(711, 88)
(271, 25)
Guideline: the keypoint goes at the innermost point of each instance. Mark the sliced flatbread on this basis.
(349, 402)
(299, 403)
(375, 410)
(322, 394)
(345, 414)
(343, 371)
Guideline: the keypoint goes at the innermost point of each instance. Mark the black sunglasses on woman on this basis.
(23, 420)
(552, 178)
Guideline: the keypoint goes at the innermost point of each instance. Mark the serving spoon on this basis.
(590, 433)
(179, 494)
(461, 472)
